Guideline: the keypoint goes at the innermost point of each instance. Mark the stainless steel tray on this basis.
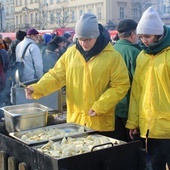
(76, 145)
(44, 134)
(25, 116)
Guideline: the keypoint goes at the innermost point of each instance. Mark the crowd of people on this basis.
(121, 89)
(42, 53)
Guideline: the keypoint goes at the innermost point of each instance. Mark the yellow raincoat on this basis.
(150, 95)
(98, 84)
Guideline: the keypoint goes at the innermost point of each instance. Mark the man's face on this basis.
(34, 37)
(61, 44)
(87, 43)
(1, 41)
(70, 39)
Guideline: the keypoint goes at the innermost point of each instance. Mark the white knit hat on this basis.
(150, 23)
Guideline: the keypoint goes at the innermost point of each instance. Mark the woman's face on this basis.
(147, 40)
(1, 41)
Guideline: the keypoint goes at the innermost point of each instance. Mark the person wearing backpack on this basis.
(5, 83)
(33, 65)
(19, 37)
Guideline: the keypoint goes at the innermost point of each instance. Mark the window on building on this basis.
(58, 16)
(36, 17)
(164, 9)
(81, 12)
(66, 17)
(25, 19)
(51, 18)
(135, 13)
(16, 2)
(122, 12)
(51, 1)
(168, 9)
(99, 13)
(12, 9)
(7, 10)
(73, 16)
(90, 10)
(16, 20)
(20, 19)
(32, 18)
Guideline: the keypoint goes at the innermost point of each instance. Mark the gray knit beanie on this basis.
(150, 23)
(87, 26)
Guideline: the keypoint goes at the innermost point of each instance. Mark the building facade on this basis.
(52, 14)
(2, 17)
(164, 10)
(7, 16)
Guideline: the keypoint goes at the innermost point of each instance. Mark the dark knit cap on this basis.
(126, 25)
(64, 39)
(52, 45)
(67, 35)
(58, 39)
(20, 35)
(32, 31)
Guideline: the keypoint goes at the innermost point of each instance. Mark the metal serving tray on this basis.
(77, 145)
(66, 129)
(25, 116)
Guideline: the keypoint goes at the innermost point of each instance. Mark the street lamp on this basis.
(1, 17)
(110, 25)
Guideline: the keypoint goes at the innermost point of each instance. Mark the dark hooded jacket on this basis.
(129, 52)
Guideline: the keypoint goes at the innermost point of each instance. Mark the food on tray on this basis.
(70, 146)
(47, 134)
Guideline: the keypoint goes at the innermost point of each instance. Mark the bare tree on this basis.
(139, 6)
(43, 16)
(63, 14)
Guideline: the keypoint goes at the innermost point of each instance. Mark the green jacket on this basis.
(98, 84)
(129, 52)
(150, 93)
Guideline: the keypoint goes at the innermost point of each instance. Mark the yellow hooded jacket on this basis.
(150, 95)
(98, 84)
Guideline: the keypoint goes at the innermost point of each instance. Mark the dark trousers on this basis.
(120, 132)
(159, 153)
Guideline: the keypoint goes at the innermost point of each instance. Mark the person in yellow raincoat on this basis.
(95, 76)
(149, 109)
